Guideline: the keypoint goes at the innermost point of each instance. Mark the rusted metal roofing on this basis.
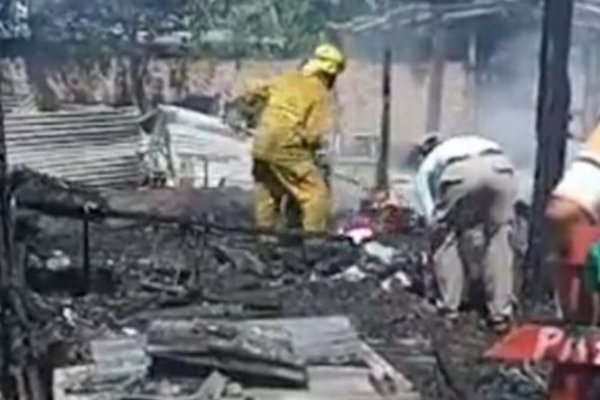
(92, 146)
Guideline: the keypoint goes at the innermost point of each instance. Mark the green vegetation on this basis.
(228, 28)
(95, 32)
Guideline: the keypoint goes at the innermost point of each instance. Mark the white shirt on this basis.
(432, 166)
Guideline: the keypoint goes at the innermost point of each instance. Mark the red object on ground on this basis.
(359, 228)
(575, 352)
(530, 342)
(393, 219)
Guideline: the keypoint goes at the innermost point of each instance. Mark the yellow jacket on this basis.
(294, 121)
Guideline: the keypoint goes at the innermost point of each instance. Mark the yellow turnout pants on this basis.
(305, 186)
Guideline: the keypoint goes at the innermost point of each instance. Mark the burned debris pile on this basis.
(169, 310)
(262, 352)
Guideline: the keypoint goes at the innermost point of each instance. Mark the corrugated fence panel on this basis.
(92, 146)
(18, 103)
(197, 138)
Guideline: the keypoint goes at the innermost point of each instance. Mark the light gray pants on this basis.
(476, 195)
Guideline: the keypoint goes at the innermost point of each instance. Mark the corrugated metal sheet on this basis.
(196, 139)
(93, 146)
(318, 338)
(18, 103)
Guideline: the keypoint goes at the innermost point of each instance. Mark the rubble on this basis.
(148, 276)
(254, 352)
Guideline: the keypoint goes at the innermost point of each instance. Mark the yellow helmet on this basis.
(326, 58)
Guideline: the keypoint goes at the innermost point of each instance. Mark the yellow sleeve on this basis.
(257, 91)
(318, 122)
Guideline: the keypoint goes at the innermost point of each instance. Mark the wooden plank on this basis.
(317, 339)
(330, 383)
(253, 353)
(243, 369)
(385, 376)
(63, 378)
(212, 388)
(230, 311)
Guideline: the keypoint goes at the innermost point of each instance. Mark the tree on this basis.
(98, 30)
(276, 27)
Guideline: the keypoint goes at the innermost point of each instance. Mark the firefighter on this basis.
(297, 114)
(467, 185)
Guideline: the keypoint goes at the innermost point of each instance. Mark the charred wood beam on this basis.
(234, 311)
(87, 269)
(97, 215)
(263, 300)
(6, 386)
(554, 98)
(384, 152)
(255, 351)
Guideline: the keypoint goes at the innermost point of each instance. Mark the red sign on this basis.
(549, 343)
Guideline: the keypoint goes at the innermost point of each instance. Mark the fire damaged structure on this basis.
(131, 267)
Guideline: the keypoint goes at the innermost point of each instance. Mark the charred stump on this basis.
(552, 124)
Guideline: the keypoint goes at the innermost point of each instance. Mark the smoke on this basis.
(507, 103)
(506, 100)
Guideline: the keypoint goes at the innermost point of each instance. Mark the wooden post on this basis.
(436, 78)
(472, 81)
(552, 123)
(384, 152)
(205, 168)
(87, 263)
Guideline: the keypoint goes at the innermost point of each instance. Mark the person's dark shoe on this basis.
(501, 325)
(450, 316)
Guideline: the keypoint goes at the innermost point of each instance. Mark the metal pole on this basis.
(384, 152)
